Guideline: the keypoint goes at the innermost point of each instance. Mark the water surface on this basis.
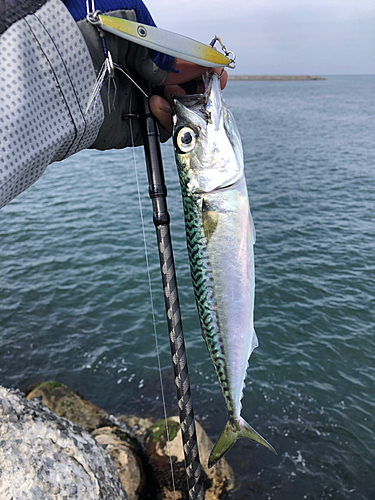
(75, 304)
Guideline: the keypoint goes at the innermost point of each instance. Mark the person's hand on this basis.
(121, 98)
(161, 108)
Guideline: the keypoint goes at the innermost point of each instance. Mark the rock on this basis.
(120, 445)
(138, 447)
(68, 404)
(43, 456)
(137, 427)
(126, 456)
(217, 482)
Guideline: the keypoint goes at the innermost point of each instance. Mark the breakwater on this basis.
(283, 78)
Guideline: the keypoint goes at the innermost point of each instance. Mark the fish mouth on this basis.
(194, 102)
(190, 99)
(208, 105)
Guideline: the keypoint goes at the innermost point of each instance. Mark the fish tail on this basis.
(229, 435)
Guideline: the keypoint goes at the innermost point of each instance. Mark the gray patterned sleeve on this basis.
(46, 76)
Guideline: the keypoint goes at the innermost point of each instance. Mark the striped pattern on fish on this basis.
(201, 278)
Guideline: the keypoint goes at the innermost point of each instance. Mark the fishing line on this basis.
(151, 298)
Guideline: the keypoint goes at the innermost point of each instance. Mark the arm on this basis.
(49, 64)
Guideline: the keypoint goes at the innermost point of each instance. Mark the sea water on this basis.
(75, 301)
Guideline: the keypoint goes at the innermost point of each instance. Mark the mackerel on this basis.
(220, 238)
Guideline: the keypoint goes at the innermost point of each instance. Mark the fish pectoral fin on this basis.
(230, 434)
(210, 220)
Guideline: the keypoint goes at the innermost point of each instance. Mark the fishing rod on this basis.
(195, 52)
(161, 218)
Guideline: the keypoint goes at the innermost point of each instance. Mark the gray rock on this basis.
(46, 457)
(123, 451)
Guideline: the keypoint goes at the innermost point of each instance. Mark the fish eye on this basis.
(186, 139)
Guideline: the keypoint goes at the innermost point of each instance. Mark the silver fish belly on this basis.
(220, 238)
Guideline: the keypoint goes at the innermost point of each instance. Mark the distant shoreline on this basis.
(274, 77)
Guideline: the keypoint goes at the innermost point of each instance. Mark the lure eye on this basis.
(186, 139)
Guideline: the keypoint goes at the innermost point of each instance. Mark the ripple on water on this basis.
(75, 306)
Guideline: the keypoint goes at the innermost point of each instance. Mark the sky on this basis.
(280, 37)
